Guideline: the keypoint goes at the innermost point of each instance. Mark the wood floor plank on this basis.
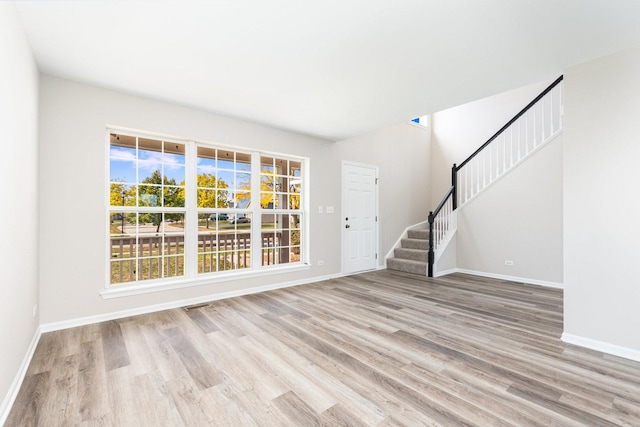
(92, 397)
(113, 346)
(201, 372)
(375, 349)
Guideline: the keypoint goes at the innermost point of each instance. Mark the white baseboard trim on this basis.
(72, 323)
(10, 398)
(615, 350)
(445, 272)
(504, 277)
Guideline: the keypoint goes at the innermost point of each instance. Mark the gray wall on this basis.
(518, 219)
(402, 154)
(601, 205)
(19, 213)
(73, 118)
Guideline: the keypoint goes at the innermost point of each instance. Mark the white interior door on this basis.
(359, 217)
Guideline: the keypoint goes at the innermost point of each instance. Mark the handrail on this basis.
(443, 201)
(432, 216)
(510, 122)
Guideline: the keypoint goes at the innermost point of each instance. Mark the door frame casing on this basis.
(343, 243)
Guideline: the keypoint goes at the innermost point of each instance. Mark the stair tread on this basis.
(409, 253)
(415, 244)
(408, 261)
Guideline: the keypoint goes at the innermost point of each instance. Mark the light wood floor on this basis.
(381, 348)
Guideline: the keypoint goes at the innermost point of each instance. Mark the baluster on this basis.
(466, 184)
(177, 247)
(543, 106)
(472, 178)
(120, 256)
(535, 127)
(499, 153)
(559, 107)
(220, 253)
(549, 126)
(490, 154)
(477, 166)
(510, 153)
(484, 169)
(560, 103)
(512, 141)
(504, 154)
(133, 274)
(166, 261)
(216, 261)
(519, 137)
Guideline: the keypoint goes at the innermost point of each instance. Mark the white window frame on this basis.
(191, 276)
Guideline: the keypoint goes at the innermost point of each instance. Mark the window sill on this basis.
(117, 291)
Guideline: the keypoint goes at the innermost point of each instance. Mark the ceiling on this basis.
(330, 68)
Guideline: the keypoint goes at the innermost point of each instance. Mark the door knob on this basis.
(347, 226)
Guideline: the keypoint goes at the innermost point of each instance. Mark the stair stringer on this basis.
(405, 234)
(445, 256)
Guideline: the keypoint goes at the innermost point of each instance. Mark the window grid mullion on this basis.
(191, 204)
(256, 217)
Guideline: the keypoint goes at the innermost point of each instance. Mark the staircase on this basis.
(529, 130)
(412, 256)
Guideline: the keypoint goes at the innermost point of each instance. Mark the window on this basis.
(179, 210)
(224, 218)
(280, 190)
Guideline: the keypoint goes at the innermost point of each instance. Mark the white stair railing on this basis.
(529, 130)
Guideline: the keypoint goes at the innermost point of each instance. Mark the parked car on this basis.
(222, 216)
(241, 220)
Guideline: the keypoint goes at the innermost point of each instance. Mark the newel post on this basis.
(454, 184)
(430, 255)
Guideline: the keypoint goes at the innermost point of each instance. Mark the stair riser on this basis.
(415, 244)
(414, 254)
(411, 267)
(418, 234)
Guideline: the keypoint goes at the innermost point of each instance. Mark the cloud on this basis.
(149, 161)
(122, 153)
(209, 169)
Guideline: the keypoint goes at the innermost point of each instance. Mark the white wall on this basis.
(403, 156)
(73, 117)
(19, 213)
(459, 131)
(518, 219)
(601, 204)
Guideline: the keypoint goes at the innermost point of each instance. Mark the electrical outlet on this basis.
(320, 210)
(508, 262)
(320, 262)
(330, 209)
